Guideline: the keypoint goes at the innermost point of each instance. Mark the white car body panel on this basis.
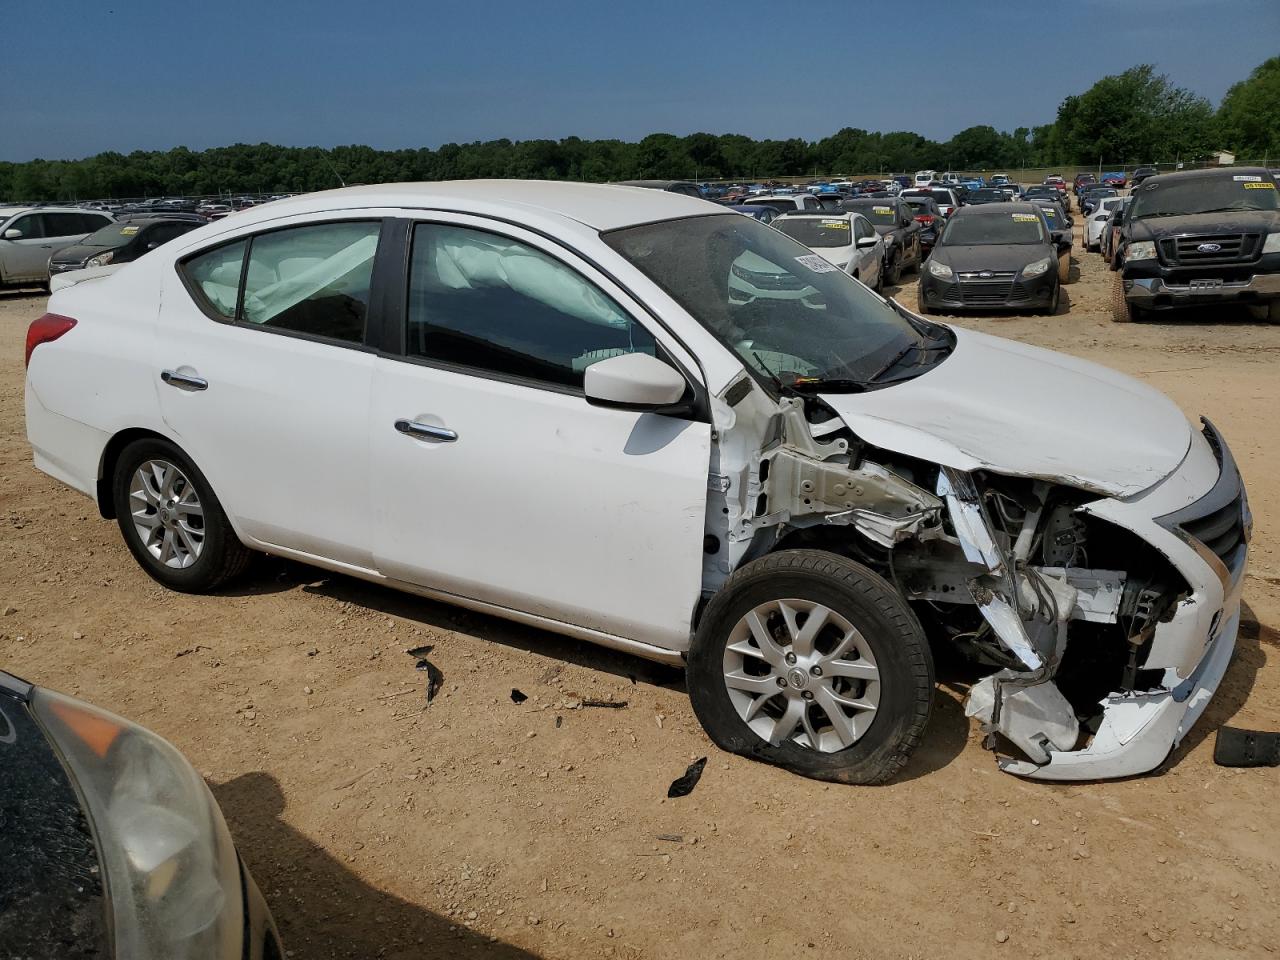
(588, 520)
(976, 410)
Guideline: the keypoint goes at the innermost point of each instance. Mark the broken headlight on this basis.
(170, 867)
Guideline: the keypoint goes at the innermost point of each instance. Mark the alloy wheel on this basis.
(167, 513)
(797, 671)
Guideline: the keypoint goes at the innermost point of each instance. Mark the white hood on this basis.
(1022, 411)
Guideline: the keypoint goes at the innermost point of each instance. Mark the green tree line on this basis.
(1137, 116)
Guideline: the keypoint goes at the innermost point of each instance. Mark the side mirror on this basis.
(864, 242)
(632, 381)
(13, 233)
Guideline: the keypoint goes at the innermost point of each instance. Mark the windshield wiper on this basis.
(831, 383)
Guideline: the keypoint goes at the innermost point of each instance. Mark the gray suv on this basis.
(29, 236)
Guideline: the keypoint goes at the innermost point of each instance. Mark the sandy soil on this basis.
(479, 827)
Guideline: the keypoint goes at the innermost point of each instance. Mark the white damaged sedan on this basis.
(643, 420)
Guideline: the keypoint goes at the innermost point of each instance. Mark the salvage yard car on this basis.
(114, 846)
(1200, 237)
(29, 236)
(644, 420)
(120, 242)
(846, 240)
(997, 256)
(896, 223)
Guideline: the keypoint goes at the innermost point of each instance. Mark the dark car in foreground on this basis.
(1197, 238)
(894, 221)
(112, 845)
(996, 256)
(121, 242)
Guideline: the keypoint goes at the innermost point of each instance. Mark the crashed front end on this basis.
(1108, 621)
(1066, 588)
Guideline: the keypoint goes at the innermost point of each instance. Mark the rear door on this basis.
(496, 480)
(264, 374)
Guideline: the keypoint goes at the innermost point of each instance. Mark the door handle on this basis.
(182, 381)
(425, 431)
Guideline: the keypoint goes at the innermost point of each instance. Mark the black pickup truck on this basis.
(1197, 238)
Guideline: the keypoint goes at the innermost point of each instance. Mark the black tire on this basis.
(1122, 311)
(1064, 268)
(1272, 309)
(894, 270)
(221, 557)
(887, 625)
(922, 307)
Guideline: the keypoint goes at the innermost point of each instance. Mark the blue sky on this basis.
(81, 77)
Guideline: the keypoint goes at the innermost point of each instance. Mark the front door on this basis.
(27, 257)
(495, 479)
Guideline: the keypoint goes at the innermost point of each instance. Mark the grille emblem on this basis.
(1209, 248)
(986, 274)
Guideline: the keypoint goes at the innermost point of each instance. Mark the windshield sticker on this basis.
(882, 209)
(1024, 217)
(836, 224)
(128, 231)
(1259, 186)
(1246, 179)
(816, 263)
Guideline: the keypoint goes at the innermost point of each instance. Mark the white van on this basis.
(925, 177)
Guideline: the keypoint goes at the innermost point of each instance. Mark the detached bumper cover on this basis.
(1199, 518)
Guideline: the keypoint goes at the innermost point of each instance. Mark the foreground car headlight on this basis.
(1141, 250)
(101, 260)
(169, 865)
(1036, 268)
(1272, 243)
(941, 270)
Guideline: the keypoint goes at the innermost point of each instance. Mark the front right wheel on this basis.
(814, 663)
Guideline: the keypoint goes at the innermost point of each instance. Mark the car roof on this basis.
(820, 214)
(1210, 173)
(595, 205)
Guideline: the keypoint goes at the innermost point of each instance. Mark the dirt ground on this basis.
(479, 827)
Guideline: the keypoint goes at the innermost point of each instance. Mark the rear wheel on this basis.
(813, 663)
(1064, 267)
(171, 520)
(894, 269)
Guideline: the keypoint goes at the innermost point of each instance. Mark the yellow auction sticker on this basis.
(882, 209)
(1259, 186)
(128, 231)
(836, 224)
(1025, 217)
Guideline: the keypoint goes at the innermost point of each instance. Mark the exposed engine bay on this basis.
(1090, 630)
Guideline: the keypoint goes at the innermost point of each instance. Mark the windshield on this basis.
(1175, 198)
(882, 214)
(985, 229)
(996, 195)
(111, 236)
(788, 314)
(816, 231)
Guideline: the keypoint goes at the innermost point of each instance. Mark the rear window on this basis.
(943, 197)
(882, 214)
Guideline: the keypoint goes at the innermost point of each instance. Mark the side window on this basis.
(483, 301)
(215, 277)
(312, 279)
(862, 229)
(31, 226)
(63, 225)
(92, 222)
(811, 203)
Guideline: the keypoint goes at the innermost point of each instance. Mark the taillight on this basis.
(46, 330)
(925, 218)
